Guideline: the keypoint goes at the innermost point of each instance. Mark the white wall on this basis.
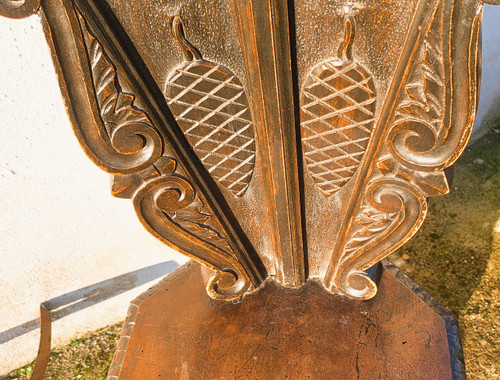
(60, 230)
(489, 101)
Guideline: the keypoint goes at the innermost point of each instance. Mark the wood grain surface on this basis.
(175, 331)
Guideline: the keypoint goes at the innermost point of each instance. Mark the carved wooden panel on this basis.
(287, 139)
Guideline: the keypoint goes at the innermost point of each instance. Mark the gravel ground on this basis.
(455, 257)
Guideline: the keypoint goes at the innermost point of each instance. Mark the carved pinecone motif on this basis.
(337, 113)
(211, 107)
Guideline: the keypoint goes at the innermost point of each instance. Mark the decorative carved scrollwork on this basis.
(392, 213)
(423, 137)
(126, 140)
(170, 209)
(167, 205)
(420, 136)
(379, 122)
(123, 140)
(19, 8)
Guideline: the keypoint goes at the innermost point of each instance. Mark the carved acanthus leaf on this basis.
(192, 219)
(421, 136)
(116, 107)
(371, 223)
(121, 139)
(170, 209)
(424, 95)
(392, 211)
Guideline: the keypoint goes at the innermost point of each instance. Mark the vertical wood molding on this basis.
(265, 37)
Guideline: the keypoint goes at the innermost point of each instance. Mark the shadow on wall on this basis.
(80, 299)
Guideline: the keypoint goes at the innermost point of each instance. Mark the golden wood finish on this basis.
(263, 30)
(287, 139)
(283, 333)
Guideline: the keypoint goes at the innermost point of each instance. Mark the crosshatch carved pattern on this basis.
(338, 107)
(211, 107)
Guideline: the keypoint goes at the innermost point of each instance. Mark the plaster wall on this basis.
(63, 237)
(489, 99)
(61, 233)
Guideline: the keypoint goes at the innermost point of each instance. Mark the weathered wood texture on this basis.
(271, 138)
(175, 331)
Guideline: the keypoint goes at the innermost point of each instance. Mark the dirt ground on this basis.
(455, 257)
(456, 254)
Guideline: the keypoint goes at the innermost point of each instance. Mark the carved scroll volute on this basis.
(114, 134)
(124, 140)
(393, 213)
(167, 206)
(19, 8)
(433, 121)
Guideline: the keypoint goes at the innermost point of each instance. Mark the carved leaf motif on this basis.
(116, 107)
(424, 94)
(394, 205)
(430, 183)
(118, 136)
(418, 128)
(372, 223)
(191, 217)
(169, 207)
(392, 211)
(193, 220)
